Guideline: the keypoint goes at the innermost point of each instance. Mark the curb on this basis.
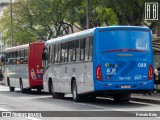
(146, 100)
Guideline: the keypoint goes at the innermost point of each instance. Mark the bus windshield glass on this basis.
(123, 40)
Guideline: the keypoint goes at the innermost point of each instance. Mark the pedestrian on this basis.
(157, 78)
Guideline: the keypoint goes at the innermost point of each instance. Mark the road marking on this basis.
(30, 118)
(1, 109)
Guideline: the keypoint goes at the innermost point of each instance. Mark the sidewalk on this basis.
(154, 98)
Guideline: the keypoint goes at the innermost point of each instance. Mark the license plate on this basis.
(125, 86)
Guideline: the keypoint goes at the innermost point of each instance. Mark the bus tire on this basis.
(21, 87)
(50, 85)
(123, 97)
(39, 90)
(8, 82)
(56, 95)
(76, 97)
(10, 88)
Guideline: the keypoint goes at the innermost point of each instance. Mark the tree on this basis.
(46, 19)
(130, 12)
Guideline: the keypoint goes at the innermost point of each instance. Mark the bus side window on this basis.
(6, 58)
(62, 52)
(59, 53)
(53, 54)
(22, 57)
(70, 51)
(14, 57)
(26, 56)
(82, 46)
(91, 48)
(66, 52)
(50, 55)
(9, 58)
(56, 53)
(77, 50)
(18, 57)
(87, 49)
(74, 51)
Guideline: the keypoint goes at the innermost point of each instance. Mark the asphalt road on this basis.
(43, 102)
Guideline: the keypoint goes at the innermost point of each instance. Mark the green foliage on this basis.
(107, 16)
(130, 12)
(46, 19)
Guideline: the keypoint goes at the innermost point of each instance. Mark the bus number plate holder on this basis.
(125, 86)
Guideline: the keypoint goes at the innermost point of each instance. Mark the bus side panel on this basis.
(15, 72)
(10, 73)
(63, 74)
(35, 65)
(22, 72)
(85, 85)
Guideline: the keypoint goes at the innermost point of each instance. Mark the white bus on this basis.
(112, 60)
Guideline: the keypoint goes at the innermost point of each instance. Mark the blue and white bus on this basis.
(113, 60)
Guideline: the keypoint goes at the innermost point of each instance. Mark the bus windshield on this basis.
(123, 40)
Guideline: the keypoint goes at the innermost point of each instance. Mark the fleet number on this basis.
(142, 65)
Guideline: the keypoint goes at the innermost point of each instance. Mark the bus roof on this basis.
(85, 33)
(16, 48)
(71, 37)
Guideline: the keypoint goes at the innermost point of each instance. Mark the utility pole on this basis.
(11, 24)
(87, 14)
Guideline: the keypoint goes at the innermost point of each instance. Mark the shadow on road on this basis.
(68, 102)
(104, 102)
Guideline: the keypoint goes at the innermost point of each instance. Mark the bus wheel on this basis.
(39, 90)
(8, 82)
(21, 87)
(28, 90)
(75, 95)
(50, 86)
(56, 95)
(11, 88)
(123, 97)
